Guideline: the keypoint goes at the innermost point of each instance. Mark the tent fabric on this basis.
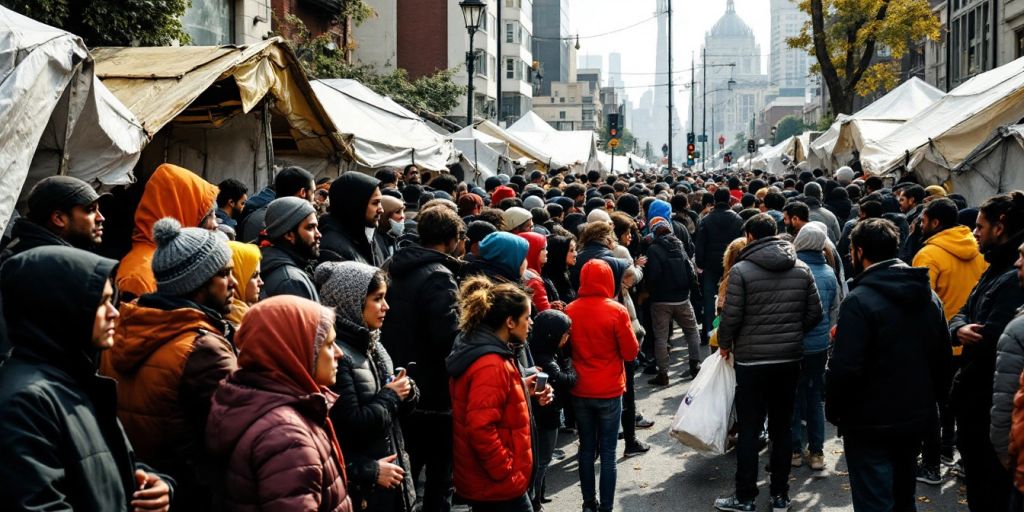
(57, 118)
(531, 122)
(486, 154)
(576, 148)
(774, 159)
(518, 147)
(992, 168)
(158, 84)
(940, 137)
(382, 132)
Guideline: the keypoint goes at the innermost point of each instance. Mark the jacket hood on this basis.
(1005, 254)
(538, 243)
(407, 259)
(505, 250)
(558, 251)
(29, 235)
(597, 277)
(172, 191)
(246, 258)
(152, 322)
(354, 335)
(472, 346)
(548, 328)
(907, 287)
(772, 253)
(958, 241)
(40, 282)
(659, 208)
(349, 195)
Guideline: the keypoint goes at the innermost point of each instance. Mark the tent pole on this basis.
(270, 143)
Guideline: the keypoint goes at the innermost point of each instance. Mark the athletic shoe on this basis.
(636, 447)
(781, 503)
(642, 422)
(797, 460)
(929, 475)
(660, 380)
(816, 461)
(733, 504)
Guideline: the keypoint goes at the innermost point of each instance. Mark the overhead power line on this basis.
(602, 34)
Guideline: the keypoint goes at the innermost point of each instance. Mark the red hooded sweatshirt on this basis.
(532, 277)
(602, 338)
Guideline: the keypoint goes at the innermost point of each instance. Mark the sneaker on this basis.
(660, 380)
(816, 461)
(929, 475)
(636, 447)
(694, 369)
(590, 506)
(643, 423)
(781, 503)
(797, 460)
(733, 504)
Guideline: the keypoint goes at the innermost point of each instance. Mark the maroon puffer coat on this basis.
(275, 452)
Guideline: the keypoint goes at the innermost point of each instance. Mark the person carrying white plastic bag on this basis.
(703, 418)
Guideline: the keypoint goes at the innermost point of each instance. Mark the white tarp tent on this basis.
(488, 155)
(993, 167)
(576, 149)
(623, 163)
(940, 137)
(518, 147)
(774, 159)
(823, 146)
(382, 133)
(57, 118)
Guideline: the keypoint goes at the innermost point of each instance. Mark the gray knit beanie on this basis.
(343, 286)
(813, 190)
(811, 237)
(185, 258)
(285, 213)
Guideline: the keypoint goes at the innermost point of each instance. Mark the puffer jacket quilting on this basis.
(1006, 383)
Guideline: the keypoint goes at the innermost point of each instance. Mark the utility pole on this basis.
(499, 30)
(704, 110)
(670, 85)
(713, 141)
(693, 92)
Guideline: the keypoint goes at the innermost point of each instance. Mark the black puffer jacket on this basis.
(992, 303)
(714, 234)
(891, 356)
(668, 272)
(366, 416)
(770, 305)
(548, 328)
(63, 447)
(286, 273)
(424, 319)
(27, 235)
(1009, 365)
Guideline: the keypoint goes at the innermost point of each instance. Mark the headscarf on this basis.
(246, 258)
(538, 243)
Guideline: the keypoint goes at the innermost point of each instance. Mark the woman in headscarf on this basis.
(246, 258)
(268, 421)
(371, 395)
(561, 257)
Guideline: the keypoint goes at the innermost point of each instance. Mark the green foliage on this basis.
(825, 123)
(788, 126)
(739, 145)
(434, 93)
(111, 22)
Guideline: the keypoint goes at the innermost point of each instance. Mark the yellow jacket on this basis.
(954, 266)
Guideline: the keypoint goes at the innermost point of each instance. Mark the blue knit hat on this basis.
(505, 249)
(185, 258)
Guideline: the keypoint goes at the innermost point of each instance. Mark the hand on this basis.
(641, 261)
(401, 386)
(969, 334)
(152, 494)
(547, 396)
(389, 475)
(724, 352)
(558, 305)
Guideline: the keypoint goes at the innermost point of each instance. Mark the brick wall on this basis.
(423, 36)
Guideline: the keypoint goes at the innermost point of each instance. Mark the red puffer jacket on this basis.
(493, 456)
(602, 338)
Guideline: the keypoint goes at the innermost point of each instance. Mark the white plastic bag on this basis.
(702, 420)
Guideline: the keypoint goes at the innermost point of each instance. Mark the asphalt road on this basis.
(672, 477)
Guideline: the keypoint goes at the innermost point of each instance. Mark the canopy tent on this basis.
(57, 117)
(382, 133)
(807, 154)
(993, 167)
(876, 121)
(486, 154)
(577, 149)
(223, 111)
(824, 145)
(518, 147)
(774, 159)
(941, 136)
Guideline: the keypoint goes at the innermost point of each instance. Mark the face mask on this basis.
(397, 228)
(369, 234)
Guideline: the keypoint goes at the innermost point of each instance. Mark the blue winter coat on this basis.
(828, 290)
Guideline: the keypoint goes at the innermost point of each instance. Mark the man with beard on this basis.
(350, 226)
(991, 305)
(171, 350)
(411, 175)
(231, 197)
(911, 199)
(889, 362)
(294, 236)
(61, 211)
(418, 333)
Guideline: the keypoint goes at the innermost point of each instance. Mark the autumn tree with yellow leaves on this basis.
(844, 35)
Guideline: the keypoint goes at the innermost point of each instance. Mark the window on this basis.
(510, 68)
(209, 22)
(1019, 36)
(561, 114)
(970, 39)
(509, 31)
(561, 100)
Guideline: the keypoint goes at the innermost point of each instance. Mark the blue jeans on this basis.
(597, 420)
(810, 389)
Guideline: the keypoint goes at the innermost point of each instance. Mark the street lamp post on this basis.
(472, 12)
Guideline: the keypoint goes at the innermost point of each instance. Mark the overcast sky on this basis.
(690, 20)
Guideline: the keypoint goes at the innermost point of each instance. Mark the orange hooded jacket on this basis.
(172, 191)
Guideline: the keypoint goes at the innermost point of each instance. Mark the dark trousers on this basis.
(882, 472)
(710, 290)
(546, 441)
(988, 483)
(643, 312)
(428, 439)
(764, 390)
(629, 404)
(520, 504)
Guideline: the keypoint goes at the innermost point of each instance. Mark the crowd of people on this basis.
(403, 341)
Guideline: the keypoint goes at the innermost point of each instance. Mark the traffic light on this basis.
(690, 151)
(751, 146)
(689, 138)
(728, 157)
(613, 126)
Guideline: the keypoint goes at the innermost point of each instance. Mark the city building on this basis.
(935, 51)
(376, 39)
(787, 67)
(571, 106)
(517, 59)
(587, 61)
(220, 22)
(551, 44)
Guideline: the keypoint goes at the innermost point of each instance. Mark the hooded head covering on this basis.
(73, 281)
(538, 243)
(343, 286)
(246, 258)
(811, 237)
(349, 195)
(171, 191)
(506, 250)
(548, 328)
(628, 204)
(659, 208)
